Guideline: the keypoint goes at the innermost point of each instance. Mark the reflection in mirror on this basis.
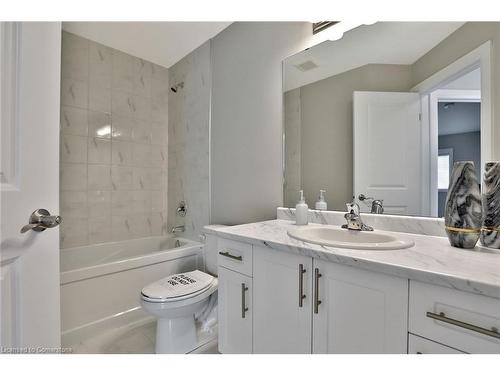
(385, 112)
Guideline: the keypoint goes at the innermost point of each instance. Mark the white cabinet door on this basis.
(388, 150)
(282, 302)
(235, 312)
(360, 311)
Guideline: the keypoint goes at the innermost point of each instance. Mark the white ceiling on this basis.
(163, 43)
(379, 43)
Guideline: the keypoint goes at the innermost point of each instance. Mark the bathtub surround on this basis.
(189, 141)
(114, 138)
(463, 214)
(490, 231)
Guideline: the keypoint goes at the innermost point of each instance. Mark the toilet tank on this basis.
(210, 249)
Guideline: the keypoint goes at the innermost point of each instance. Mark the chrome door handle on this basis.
(302, 271)
(317, 302)
(40, 220)
(493, 332)
(244, 309)
(226, 254)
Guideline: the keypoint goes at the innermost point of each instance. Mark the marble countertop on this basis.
(431, 260)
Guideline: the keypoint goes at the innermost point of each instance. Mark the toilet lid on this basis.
(178, 286)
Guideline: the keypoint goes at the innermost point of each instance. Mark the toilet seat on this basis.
(178, 287)
(176, 315)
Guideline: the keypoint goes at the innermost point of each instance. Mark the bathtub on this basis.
(101, 284)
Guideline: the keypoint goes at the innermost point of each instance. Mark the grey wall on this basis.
(458, 44)
(247, 113)
(459, 117)
(326, 129)
(293, 129)
(466, 147)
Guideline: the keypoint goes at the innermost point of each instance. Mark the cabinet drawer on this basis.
(465, 321)
(234, 255)
(419, 345)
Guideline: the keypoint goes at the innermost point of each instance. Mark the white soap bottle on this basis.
(321, 203)
(301, 210)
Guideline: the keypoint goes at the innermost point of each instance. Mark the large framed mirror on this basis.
(384, 113)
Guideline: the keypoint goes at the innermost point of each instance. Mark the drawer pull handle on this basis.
(235, 257)
(317, 302)
(302, 271)
(244, 308)
(493, 332)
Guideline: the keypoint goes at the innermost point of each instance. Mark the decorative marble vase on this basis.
(462, 214)
(490, 231)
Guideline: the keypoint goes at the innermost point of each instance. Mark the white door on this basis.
(388, 143)
(360, 312)
(282, 302)
(235, 312)
(30, 57)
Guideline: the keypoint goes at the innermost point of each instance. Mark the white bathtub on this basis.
(101, 284)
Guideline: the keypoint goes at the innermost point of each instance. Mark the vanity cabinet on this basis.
(358, 311)
(278, 302)
(235, 311)
(235, 298)
(419, 345)
(282, 302)
(466, 321)
(303, 305)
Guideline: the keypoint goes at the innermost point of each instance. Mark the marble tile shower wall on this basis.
(189, 142)
(114, 145)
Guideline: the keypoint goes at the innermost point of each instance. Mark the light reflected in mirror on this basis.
(385, 112)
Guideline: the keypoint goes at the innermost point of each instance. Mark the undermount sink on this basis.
(349, 239)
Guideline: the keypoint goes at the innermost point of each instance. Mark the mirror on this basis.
(385, 111)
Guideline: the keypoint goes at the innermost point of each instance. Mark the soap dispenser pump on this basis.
(301, 210)
(321, 203)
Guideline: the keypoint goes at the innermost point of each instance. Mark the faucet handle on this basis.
(353, 207)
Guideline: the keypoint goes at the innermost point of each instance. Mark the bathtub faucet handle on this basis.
(181, 209)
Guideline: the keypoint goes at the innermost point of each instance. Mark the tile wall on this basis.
(114, 145)
(189, 142)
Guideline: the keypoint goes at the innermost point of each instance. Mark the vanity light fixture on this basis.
(322, 25)
(333, 30)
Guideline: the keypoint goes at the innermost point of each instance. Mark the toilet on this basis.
(174, 301)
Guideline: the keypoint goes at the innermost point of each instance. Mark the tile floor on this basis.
(135, 339)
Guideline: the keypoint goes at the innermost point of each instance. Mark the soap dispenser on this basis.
(321, 203)
(301, 210)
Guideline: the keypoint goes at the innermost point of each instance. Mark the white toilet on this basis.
(174, 301)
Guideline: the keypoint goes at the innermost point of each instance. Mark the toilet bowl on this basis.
(174, 301)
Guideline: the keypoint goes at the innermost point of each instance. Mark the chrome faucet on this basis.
(377, 204)
(353, 218)
(178, 229)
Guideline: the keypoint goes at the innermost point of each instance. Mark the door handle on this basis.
(40, 220)
(228, 255)
(302, 271)
(493, 332)
(317, 302)
(244, 309)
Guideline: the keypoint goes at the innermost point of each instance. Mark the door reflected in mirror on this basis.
(385, 112)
